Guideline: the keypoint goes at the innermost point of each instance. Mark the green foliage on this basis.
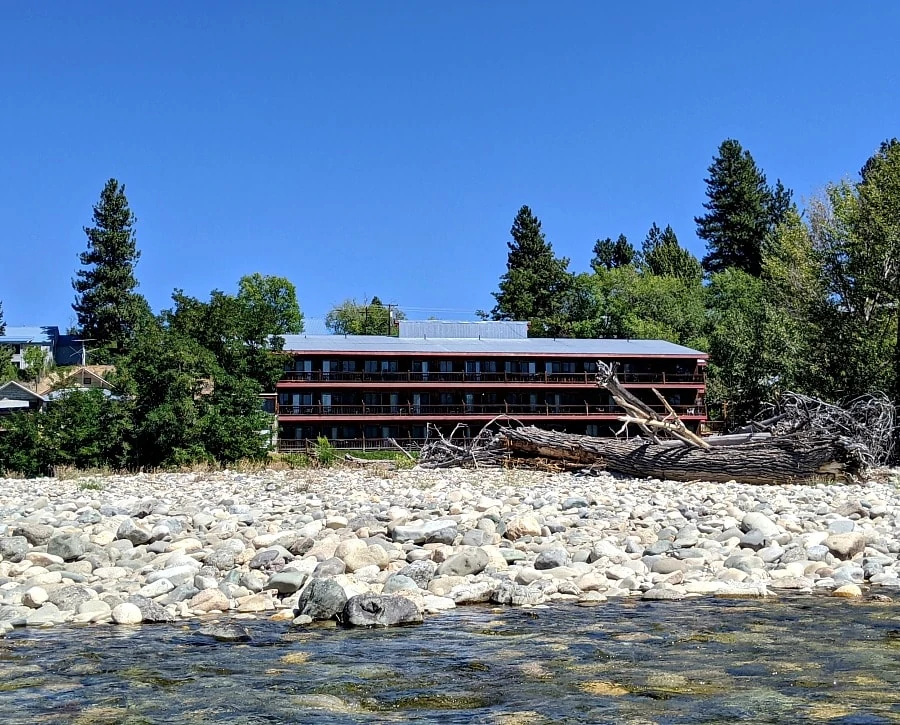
(271, 303)
(36, 362)
(22, 449)
(663, 256)
(364, 318)
(325, 452)
(742, 211)
(536, 280)
(609, 254)
(108, 308)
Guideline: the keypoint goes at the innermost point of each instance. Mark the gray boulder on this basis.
(551, 559)
(377, 610)
(398, 583)
(321, 599)
(421, 572)
(36, 534)
(69, 598)
(13, 548)
(287, 582)
(467, 561)
(130, 531)
(67, 547)
(151, 612)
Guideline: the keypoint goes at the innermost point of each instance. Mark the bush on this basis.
(325, 452)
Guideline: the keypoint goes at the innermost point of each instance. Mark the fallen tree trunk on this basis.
(784, 459)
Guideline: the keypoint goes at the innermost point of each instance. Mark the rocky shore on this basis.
(387, 548)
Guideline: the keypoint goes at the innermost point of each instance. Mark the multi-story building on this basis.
(358, 391)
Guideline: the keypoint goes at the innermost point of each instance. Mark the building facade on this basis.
(358, 391)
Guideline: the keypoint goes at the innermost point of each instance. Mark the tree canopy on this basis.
(107, 306)
(742, 211)
(364, 318)
(535, 281)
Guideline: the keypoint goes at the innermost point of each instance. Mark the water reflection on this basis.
(710, 661)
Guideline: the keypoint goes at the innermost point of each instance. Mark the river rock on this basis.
(551, 559)
(374, 610)
(519, 526)
(126, 613)
(209, 600)
(321, 599)
(35, 534)
(468, 561)
(287, 581)
(137, 535)
(67, 547)
(68, 598)
(761, 522)
(421, 572)
(151, 611)
(13, 548)
(846, 546)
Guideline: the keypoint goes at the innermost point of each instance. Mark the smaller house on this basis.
(19, 339)
(81, 377)
(16, 398)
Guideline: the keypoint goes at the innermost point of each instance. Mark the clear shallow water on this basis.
(709, 661)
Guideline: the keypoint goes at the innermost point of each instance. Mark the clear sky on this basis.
(383, 148)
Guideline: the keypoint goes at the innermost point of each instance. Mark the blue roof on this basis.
(35, 335)
(527, 346)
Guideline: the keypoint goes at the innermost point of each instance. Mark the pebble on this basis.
(300, 545)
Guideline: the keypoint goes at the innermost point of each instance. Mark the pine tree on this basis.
(106, 303)
(664, 256)
(742, 211)
(535, 281)
(609, 254)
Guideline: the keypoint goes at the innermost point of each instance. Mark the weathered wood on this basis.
(786, 459)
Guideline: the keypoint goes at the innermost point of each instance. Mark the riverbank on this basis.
(296, 545)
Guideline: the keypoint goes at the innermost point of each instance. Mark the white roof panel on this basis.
(457, 346)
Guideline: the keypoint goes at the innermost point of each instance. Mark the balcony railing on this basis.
(317, 376)
(462, 410)
(302, 445)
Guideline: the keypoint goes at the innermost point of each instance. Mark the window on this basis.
(592, 429)
(87, 381)
(348, 366)
(388, 366)
(489, 366)
(446, 366)
(446, 398)
(371, 366)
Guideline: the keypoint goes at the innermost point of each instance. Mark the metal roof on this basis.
(529, 346)
(35, 335)
(494, 329)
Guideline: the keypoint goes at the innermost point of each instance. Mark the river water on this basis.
(790, 660)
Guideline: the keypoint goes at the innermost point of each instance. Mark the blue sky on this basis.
(383, 148)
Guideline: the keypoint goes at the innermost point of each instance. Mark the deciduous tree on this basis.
(364, 318)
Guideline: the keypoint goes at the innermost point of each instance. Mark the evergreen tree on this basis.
(536, 280)
(662, 255)
(742, 211)
(609, 254)
(106, 303)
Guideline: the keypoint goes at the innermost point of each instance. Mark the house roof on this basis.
(58, 378)
(35, 335)
(12, 386)
(451, 346)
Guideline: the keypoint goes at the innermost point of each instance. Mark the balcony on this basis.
(462, 410)
(317, 376)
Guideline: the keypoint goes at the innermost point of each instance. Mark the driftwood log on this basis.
(784, 459)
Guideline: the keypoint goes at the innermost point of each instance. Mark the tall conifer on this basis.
(535, 280)
(106, 303)
(742, 211)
